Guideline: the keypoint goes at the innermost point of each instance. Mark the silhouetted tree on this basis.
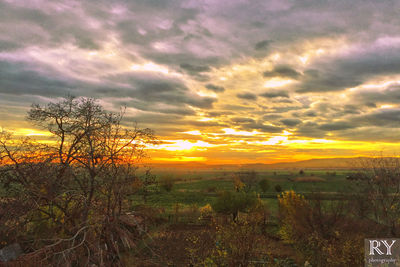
(73, 190)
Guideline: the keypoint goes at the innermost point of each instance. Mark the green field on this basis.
(198, 188)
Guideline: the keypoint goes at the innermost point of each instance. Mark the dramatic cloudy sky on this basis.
(219, 81)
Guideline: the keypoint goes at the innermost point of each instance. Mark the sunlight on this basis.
(195, 132)
(276, 82)
(177, 145)
(150, 66)
(31, 132)
(178, 159)
(231, 131)
(386, 106)
(205, 119)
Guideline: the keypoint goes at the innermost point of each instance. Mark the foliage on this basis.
(264, 185)
(248, 178)
(70, 195)
(321, 234)
(167, 182)
(278, 188)
(236, 244)
(232, 203)
(146, 183)
(238, 184)
(377, 182)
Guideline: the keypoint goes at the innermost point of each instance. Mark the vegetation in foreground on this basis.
(81, 200)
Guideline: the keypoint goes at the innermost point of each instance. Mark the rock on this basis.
(10, 252)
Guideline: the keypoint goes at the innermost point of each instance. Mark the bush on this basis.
(232, 203)
(264, 185)
(248, 178)
(167, 183)
(320, 232)
(211, 189)
(238, 184)
(278, 188)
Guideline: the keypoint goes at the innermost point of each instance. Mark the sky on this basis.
(218, 81)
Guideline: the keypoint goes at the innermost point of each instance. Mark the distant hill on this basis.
(327, 163)
(332, 163)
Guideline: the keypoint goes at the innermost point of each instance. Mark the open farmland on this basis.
(201, 187)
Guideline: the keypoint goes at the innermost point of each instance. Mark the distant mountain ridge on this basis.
(324, 163)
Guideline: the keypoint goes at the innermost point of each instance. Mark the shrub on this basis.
(232, 203)
(211, 189)
(320, 232)
(238, 184)
(264, 185)
(167, 183)
(236, 244)
(278, 188)
(248, 178)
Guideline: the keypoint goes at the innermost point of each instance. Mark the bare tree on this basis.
(378, 181)
(75, 187)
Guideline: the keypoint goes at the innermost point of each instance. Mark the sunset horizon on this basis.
(219, 83)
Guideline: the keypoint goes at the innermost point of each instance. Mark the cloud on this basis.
(157, 88)
(215, 88)
(17, 78)
(336, 126)
(262, 45)
(194, 69)
(231, 48)
(247, 96)
(352, 67)
(290, 122)
(261, 127)
(282, 71)
(242, 120)
(275, 93)
(389, 95)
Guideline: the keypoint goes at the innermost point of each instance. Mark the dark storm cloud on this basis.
(352, 68)
(384, 117)
(8, 46)
(247, 96)
(151, 118)
(261, 127)
(152, 88)
(290, 122)
(310, 129)
(196, 71)
(33, 24)
(337, 126)
(215, 88)
(18, 79)
(193, 38)
(219, 113)
(374, 134)
(391, 95)
(271, 117)
(193, 68)
(275, 93)
(310, 113)
(242, 120)
(282, 71)
(181, 110)
(262, 45)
